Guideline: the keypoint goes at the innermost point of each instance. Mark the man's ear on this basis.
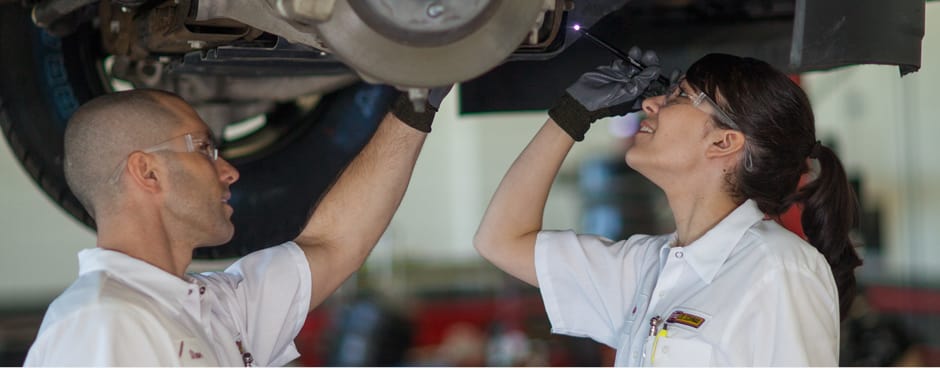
(145, 171)
(724, 142)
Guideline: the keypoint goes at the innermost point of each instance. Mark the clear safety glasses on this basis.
(184, 143)
(675, 94)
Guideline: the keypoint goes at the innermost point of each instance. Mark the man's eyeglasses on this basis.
(675, 94)
(184, 143)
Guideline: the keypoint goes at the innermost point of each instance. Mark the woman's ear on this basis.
(144, 171)
(724, 142)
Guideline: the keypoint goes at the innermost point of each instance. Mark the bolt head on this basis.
(435, 9)
(196, 44)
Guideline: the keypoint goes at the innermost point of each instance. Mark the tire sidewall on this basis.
(46, 78)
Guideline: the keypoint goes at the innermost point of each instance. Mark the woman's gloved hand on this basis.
(611, 90)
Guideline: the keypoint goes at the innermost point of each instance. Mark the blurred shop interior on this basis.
(425, 297)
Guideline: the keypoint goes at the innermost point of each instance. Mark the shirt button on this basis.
(679, 254)
(665, 350)
(190, 292)
(202, 290)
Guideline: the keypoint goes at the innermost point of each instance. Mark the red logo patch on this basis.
(687, 319)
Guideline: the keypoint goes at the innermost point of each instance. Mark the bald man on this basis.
(143, 164)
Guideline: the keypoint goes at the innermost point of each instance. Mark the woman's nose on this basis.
(651, 105)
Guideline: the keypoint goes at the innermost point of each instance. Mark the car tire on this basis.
(45, 78)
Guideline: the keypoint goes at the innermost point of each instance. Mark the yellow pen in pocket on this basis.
(664, 332)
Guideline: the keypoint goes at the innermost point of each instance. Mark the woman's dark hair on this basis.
(777, 120)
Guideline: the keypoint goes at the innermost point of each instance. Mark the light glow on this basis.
(576, 27)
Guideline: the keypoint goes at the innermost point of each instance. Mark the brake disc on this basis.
(426, 43)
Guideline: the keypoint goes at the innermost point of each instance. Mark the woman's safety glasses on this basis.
(184, 143)
(675, 94)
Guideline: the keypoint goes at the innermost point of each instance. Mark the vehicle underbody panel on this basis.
(796, 37)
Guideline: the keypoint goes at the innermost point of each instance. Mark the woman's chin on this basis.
(634, 159)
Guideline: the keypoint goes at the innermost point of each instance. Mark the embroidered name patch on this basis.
(687, 319)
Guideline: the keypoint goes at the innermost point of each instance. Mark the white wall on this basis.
(462, 163)
(39, 242)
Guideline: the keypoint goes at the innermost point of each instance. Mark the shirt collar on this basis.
(708, 253)
(147, 278)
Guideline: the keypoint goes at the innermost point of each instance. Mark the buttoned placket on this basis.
(671, 261)
(204, 298)
(682, 268)
(192, 302)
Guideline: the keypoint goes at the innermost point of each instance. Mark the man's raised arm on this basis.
(349, 220)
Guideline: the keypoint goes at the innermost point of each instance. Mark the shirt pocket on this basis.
(677, 352)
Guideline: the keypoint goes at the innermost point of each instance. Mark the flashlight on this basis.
(616, 52)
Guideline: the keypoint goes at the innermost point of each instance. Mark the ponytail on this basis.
(777, 119)
(830, 211)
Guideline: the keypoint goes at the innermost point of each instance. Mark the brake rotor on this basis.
(426, 43)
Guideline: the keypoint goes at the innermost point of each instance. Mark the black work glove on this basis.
(404, 109)
(612, 90)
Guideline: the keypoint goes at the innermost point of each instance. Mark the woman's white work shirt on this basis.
(747, 293)
(125, 312)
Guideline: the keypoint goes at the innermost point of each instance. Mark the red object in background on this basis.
(434, 320)
(795, 78)
(903, 300)
(791, 219)
(433, 317)
(311, 341)
(895, 300)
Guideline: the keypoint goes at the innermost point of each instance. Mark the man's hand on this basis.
(404, 109)
(611, 90)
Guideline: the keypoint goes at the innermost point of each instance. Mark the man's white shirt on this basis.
(125, 312)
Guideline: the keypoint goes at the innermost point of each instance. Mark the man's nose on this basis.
(227, 172)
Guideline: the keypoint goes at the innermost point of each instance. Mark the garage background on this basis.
(884, 128)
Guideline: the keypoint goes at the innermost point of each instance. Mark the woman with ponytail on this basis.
(727, 143)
